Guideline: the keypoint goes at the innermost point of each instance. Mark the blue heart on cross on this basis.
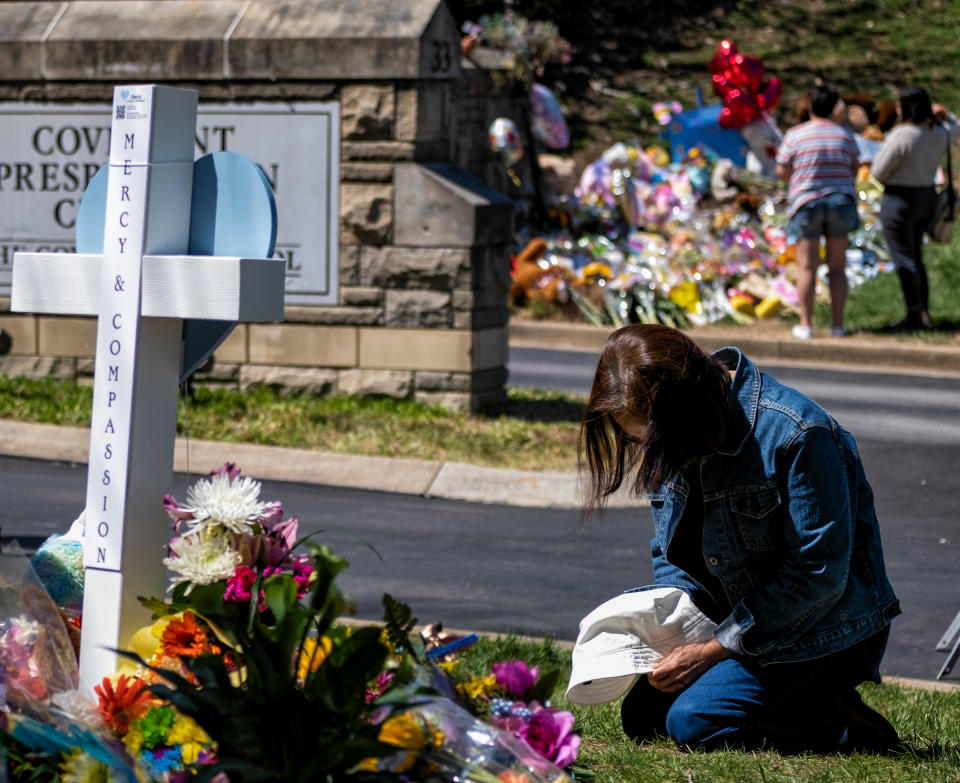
(124, 94)
(233, 213)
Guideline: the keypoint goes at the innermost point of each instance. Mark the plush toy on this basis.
(527, 270)
(867, 116)
(537, 280)
(59, 563)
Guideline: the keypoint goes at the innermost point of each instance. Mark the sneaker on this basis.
(802, 332)
(838, 331)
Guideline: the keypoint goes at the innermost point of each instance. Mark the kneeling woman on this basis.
(763, 514)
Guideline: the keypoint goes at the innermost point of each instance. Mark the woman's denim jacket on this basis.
(789, 528)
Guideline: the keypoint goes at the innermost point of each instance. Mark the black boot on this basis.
(867, 729)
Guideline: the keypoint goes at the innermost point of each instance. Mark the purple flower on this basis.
(175, 511)
(549, 732)
(278, 541)
(515, 677)
(229, 469)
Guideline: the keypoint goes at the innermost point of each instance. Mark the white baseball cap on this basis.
(626, 636)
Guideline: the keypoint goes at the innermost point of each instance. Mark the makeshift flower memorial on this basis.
(245, 675)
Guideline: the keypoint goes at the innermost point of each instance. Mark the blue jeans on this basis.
(790, 707)
(833, 215)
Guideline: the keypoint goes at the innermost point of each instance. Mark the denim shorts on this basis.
(833, 215)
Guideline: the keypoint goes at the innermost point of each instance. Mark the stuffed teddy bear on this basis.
(866, 115)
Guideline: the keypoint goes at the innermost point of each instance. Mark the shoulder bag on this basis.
(940, 228)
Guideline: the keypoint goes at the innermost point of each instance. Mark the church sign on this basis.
(52, 151)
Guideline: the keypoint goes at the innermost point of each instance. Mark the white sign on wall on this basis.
(50, 152)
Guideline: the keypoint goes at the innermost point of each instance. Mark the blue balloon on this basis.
(233, 212)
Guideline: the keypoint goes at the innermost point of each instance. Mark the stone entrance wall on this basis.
(424, 244)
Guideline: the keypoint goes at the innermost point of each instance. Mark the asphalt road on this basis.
(529, 570)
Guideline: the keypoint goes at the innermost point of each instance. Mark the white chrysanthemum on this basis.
(220, 501)
(201, 558)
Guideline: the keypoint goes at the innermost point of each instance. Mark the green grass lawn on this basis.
(928, 723)
(536, 430)
(878, 302)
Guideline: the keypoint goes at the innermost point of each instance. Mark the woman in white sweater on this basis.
(907, 165)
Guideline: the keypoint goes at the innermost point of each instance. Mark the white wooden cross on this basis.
(141, 288)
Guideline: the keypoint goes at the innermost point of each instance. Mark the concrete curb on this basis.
(427, 478)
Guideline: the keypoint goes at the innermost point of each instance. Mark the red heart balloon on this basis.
(770, 95)
(751, 73)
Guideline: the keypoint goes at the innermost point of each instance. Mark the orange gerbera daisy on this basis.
(186, 638)
(123, 703)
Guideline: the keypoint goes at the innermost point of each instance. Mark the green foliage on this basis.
(20, 764)
(296, 710)
(630, 117)
(398, 622)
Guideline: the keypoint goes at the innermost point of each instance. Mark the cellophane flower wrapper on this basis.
(468, 749)
(40, 705)
(37, 658)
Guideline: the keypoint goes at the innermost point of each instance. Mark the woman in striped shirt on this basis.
(819, 159)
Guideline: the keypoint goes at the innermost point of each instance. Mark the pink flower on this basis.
(376, 689)
(278, 540)
(510, 723)
(302, 571)
(549, 733)
(239, 586)
(515, 677)
(272, 514)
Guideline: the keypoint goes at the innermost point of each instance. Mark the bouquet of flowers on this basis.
(515, 697)
(48, 731)
(245, 675)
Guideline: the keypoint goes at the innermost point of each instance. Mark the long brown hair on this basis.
(659, 375)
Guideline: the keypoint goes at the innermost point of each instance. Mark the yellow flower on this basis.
(447, 667)
(410, 733)
(191, 738)
(80, 767)
(312, 654)
(478, 686)
(403, 731)
(133, 739)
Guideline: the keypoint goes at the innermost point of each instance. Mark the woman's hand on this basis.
(939, 111)
(685, 664)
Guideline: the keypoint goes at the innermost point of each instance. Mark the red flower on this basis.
(123, 704)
